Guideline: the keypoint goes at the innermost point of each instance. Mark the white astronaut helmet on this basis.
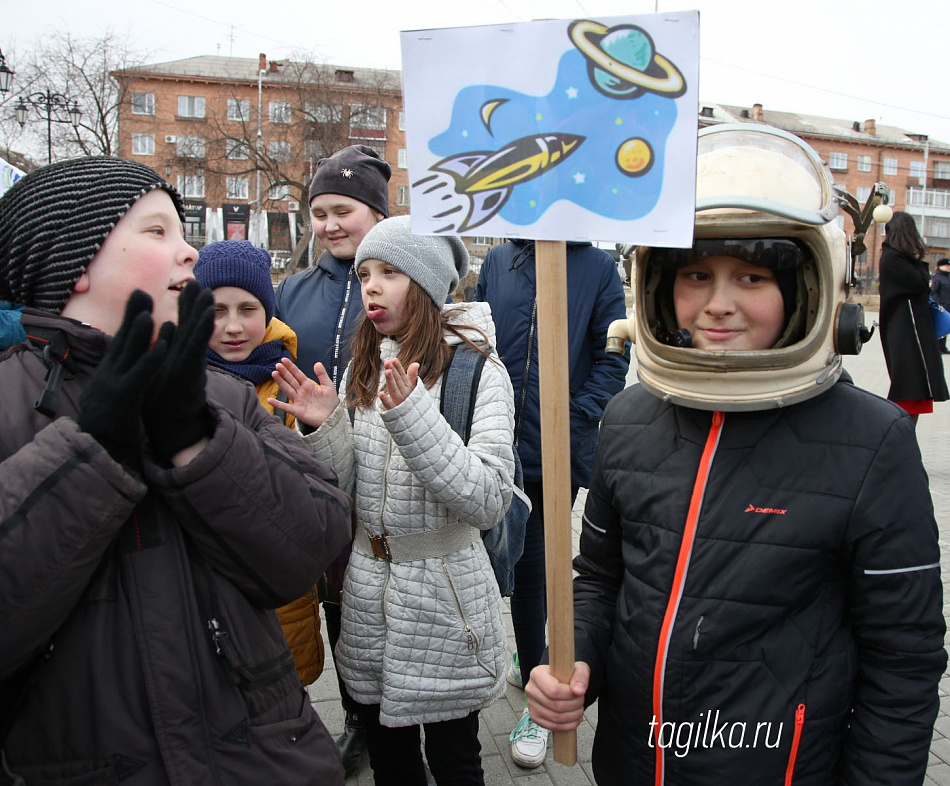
(764, 195)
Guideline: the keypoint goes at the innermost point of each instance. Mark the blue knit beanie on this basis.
(237, 263)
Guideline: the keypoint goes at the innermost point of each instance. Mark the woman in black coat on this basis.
(907, 330)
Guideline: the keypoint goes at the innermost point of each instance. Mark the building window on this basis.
(239, 109)
(143, 103)
(191, 106)
(236, 149)
(367, 122)
(478, 240)
(192, 186)
(941, 170)
(345, 76)
(838, 161)
(402, 163)
(918, 171)
(281, 191)
(402, 120)
(402, 196)
(890, 166)
(863, 193)
(143, 144)
(279, 111)
(939, 227)
(864, 163)
(319, 112)
(279, 151)
(237, 188)
(191, 147)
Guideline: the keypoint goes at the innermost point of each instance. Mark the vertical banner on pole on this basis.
(553, 131)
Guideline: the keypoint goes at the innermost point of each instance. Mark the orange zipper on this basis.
(679, 580)
(799, 722)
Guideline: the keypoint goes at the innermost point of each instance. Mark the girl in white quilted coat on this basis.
(423, 642)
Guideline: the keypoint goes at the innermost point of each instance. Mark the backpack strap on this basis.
(460, 388)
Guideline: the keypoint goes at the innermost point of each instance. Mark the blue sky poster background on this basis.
(543, 80)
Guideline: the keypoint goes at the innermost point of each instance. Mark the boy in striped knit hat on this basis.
(151, 513)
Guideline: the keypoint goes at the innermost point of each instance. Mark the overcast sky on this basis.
(850, 59)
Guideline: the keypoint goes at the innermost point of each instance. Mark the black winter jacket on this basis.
(747, 581)
(137, 610)
(907, 330)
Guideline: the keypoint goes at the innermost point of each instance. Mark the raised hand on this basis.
(399, 383)
(176, 413)
(310, 402)
(110, 407)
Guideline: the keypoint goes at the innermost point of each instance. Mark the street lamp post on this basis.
(48, 101)
(6, 74)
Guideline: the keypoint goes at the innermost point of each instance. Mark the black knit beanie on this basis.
(356, 171)
(237, 263)
(54, 220)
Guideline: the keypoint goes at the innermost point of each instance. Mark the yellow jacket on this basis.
(300, 619)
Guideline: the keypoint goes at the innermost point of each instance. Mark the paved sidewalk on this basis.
(497, 721)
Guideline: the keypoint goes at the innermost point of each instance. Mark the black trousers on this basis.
(453, 751)
(332, 617)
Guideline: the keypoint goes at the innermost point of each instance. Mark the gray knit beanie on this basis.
(237, 263)
(356, 171)
(54, 220)
(435, 262)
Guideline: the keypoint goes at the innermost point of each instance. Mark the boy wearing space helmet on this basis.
(758, 596)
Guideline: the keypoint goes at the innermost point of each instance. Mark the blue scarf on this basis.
(256, 367)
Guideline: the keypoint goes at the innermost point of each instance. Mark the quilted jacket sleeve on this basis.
(262, 509)
(474, 481)
(895, 604)
(332, 444)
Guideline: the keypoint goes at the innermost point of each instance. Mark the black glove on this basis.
(176, 412)
(110, 407)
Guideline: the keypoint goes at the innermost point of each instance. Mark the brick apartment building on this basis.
(915, 169)
(231, 131)
(197, 121)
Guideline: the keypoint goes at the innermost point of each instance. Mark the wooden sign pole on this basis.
(554, 374)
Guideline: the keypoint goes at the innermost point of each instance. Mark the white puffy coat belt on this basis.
(415, 545)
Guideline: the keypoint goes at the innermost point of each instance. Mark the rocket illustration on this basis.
(487, 178)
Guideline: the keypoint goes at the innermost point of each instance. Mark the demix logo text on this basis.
(777, 511)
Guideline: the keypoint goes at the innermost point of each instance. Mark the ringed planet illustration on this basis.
(622, 61)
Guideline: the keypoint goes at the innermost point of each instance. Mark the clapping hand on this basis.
(399, 383)
(310, 402)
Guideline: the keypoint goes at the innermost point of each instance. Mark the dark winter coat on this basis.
(595, 298)
(323, 306)
(137, 610)
(907, 330)
(806, 586)
(940, 287)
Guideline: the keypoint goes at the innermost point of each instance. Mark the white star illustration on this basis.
(579, 177)
(571, 92)
(346, 172)
(465, 133)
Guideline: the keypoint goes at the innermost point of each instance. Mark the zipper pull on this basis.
(471, 639)
(214, 627)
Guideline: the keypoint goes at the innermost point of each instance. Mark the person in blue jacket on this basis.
(595, 298)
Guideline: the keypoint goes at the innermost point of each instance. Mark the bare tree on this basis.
(326, 109)
(77, 68)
